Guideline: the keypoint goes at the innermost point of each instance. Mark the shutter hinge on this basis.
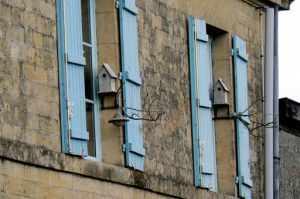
(201, 146)
(125, 75)
(237, 179)
(124, 147)
(117, 3)
(70, 106)
(232, 52)
(198, 102)
(83, 153)
(66, 56)
(120, 75)
(197, 34)
(69, 147)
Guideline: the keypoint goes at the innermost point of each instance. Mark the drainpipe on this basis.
(269, 103)
(276, 138)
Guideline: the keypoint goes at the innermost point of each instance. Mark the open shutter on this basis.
(131, 80)
(202, 112)
(75, 78)
(241, 104)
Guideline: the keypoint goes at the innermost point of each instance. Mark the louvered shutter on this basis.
(75, 77)
(241, 104)
(202, 112)
(134, 149)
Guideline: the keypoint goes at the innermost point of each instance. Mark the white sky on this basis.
(289, 52)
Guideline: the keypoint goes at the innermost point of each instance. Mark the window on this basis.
(78, 70)
(201, 104)
(201, 48)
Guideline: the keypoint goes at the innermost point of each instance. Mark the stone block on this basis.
(105, 6)
(226, 160)
(109, 53)
(107, 32)
(112, 139)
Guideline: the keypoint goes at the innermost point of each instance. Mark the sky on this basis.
(289, 52)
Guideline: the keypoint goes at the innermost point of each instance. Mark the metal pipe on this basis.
(269, 103)
(276, 138)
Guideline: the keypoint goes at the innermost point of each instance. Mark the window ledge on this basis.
(43, 157)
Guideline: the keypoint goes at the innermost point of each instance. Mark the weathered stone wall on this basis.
(24, 181)
(165, 71)
(289, 165)
(29, 103)
(29, 97)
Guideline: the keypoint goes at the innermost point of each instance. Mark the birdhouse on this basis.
(107, 80)
(220, 93)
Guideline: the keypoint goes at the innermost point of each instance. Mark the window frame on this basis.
(63, 81)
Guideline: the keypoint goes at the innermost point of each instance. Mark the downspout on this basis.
(276, 138)
(268, 117)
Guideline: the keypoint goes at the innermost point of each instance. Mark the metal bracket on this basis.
(232, 52)
(198, 102)
(120, 75)
(70, 106)
(124, 147)
(117, 4)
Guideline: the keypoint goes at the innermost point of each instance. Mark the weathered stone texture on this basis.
(29, 72)
(23, 181)
(29, 102)
(165, 71)
(289, 165)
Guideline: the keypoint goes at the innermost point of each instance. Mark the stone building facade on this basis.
(289, 148)
(43, 157)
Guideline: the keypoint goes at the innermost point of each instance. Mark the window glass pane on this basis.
(90, 128)
(85, 20)
(88, 78)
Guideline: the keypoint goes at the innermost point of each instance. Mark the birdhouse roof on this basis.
(223, 85)
(109, 70)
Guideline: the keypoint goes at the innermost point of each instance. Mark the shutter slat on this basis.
(130, 6)
(241, 103)
(204, 73)
(74, 32)
(135, 151)
(201, 30)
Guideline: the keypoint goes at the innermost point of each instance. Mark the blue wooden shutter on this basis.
(131, 80)
(202, 112)
(75, 79)
(62, 75)
(192, 59)
(241, 104)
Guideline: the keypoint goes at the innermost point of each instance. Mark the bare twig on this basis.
(253, 103)
(136, 116)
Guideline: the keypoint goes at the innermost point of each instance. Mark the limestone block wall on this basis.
(24, 181)
(29, 73)
(165, 68)
(32, 165)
